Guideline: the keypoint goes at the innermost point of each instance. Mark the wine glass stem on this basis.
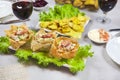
(104, 18)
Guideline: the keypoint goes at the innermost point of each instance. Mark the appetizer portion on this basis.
(89, 4)
(19, 35)
(73, 26)
(71, 22)
(42, 40)
(104, 36)
(99, 35)
(45, 48)
(64, 47)
(40, 3)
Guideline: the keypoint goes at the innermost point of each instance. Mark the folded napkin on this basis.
(13, 72)
(5, 8)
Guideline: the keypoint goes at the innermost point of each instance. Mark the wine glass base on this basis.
(103, 20)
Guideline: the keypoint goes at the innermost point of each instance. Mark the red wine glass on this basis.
(22, 9)
(106, 6)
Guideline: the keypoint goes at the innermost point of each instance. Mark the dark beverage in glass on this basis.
(22, 9)
(107, 5)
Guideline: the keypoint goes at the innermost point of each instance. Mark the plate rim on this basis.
(107, 45)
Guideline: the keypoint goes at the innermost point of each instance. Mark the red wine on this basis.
(107, 5)
(22, 9)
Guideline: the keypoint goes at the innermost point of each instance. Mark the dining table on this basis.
(98, 67)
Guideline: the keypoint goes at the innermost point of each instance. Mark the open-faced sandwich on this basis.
(64, 47)
(42, 40)
(19, 35)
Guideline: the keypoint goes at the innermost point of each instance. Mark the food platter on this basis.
(45, 48)
(71, 23)
(6, 8)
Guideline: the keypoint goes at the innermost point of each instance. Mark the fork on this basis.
(6, 17)
(117, 35)
(13, 21)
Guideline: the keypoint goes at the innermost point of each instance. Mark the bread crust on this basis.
(18, 44)
(43, 45)
(66, 54)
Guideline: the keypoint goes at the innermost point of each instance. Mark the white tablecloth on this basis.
(99, 67)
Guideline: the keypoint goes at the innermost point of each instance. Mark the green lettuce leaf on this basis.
(60, 12)
(4, 44)
(78, 62)
(23, 54)
(84, 52)
(44, 59)
(76, 65)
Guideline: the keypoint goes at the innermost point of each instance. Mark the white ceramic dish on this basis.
(94, 35)
(5, 8)
(41, 8)
(113, 49)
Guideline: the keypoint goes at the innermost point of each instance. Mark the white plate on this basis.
(95, 36)
(113, 49)
(5, 8)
